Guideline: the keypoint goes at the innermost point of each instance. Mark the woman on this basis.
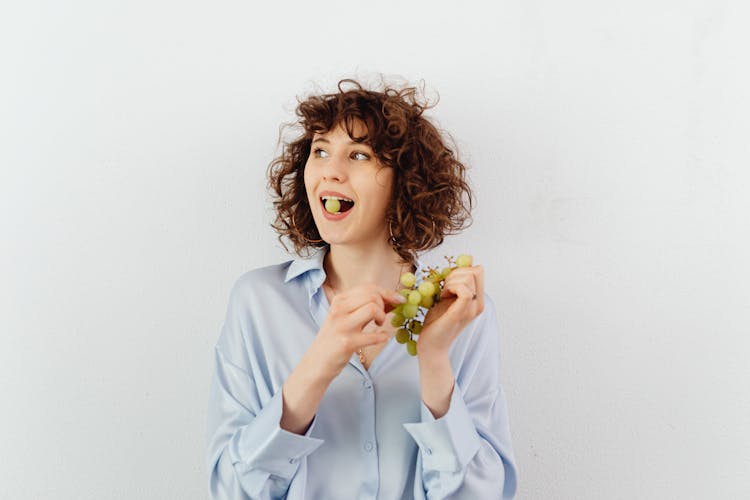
(312, 397)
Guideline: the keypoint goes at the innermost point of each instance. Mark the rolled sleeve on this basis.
(250, 455)
(449, 442)
(273, 449)
(467, 453)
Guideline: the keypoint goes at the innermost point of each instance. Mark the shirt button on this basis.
(428, 451)
(367, 384)
(292, 460)
(368, 446)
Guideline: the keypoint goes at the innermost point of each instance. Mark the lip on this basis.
(334, 193)
(328, 215)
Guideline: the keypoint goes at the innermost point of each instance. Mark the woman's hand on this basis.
(341, 334)
(461, 300)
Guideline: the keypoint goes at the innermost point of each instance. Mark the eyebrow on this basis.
(323, 139)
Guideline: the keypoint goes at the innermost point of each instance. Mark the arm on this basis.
(465, 445)
(249, 454)
(302, 393)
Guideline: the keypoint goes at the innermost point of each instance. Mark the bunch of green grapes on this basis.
(409, 316)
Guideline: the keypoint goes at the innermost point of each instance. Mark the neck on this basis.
(348, 266)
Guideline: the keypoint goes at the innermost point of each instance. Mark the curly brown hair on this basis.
(430, 190)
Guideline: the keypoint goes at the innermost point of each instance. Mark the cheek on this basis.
(384, 184)
(309, 181)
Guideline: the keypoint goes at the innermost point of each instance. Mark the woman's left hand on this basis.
(461, 300)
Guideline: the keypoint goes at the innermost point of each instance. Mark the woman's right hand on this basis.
(341, 334)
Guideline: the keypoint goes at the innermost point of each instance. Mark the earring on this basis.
(397, 246)
(392, 240)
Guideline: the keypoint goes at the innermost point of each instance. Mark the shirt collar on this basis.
(302, 265)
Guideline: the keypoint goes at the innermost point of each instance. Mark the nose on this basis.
(335, 168)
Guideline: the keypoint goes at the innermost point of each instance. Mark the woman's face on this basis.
(349, 170)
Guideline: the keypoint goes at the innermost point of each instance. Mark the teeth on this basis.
(335, 198)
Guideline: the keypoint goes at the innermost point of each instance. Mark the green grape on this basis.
(411, 347)
(399, 309)
(426, 288)
(402, 335)
(410, 310)
(463, 260)
(408, 279)
(428, 292)
(398, 319)
(333, 205)
(427, 301)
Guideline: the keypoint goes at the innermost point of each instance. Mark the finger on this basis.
(386, 301)
(392, 299)
(351, 300)
(465, 296)
(480, 286)
(367, 312)
(370, 338)
(449, 288)
(391, 304)
(360, 295)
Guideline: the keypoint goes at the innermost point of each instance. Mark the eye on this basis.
(358, 155)
(319, 153)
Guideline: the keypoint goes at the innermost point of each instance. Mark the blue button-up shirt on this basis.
(372, 436)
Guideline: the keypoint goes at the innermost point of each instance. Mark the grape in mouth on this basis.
(334, 206)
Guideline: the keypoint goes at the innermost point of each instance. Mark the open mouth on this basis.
(344, 205)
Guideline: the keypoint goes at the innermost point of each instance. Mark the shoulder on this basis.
(252, 294)
(260, 288)
(260, 280)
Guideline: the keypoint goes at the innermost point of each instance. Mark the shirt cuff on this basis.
(450, 442)
(273, 449)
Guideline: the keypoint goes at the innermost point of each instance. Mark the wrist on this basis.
(316, 372)
(435, 369)
(432, 356)
(436, 384)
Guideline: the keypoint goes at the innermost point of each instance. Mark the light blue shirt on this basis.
(372, 436)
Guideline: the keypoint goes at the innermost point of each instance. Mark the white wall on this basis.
(608, 143)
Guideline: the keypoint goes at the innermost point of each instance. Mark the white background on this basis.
(608, 145)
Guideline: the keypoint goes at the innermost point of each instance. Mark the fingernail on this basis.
(400, 298)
